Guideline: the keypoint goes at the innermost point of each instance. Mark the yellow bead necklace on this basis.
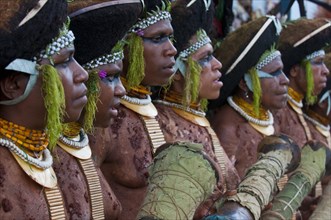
(34, 140)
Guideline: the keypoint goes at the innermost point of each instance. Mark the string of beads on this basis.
(34, 140)
(173, 99)
(246, 110)
(295, 98)
(72, 131)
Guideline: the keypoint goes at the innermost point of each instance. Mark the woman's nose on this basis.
(119, 90)
(81, 75)
(170, 50)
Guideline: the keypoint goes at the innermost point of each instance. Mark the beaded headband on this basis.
(261, 74)
(152, 18)
(268, 59)
(65, 39)
(203, 39)
(315, 54)
(103, 60)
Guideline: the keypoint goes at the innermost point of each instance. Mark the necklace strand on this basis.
(138, 101)
(81, 143)
(297, 104)
(179, 106)
(34, 140)
(42, 164)
(316, 123)
(265, 123)
(295, 98)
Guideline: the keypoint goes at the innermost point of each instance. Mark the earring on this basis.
(246, 94)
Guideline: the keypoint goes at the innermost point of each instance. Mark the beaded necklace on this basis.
(43, 164)
(174, 99)
(246, 110)
(71, 132)
(295, 98)
(33, 140)
(21, 141)
(137, 90)
(139, 95)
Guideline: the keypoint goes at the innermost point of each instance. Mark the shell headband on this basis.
(315, 54)
(203, 39)
(103, 60)
(152, 18)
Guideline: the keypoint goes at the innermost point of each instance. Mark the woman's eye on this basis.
(159, 39)
(112, 78)
(276, 73)
(317, 62)
(64, 62)
(202, 62)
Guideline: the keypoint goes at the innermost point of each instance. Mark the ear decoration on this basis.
(310, 97)
(54, 103)
(136, 69)
(93, 92)
(192, 81)
(204, 104)
(306, 63)
(257, 91)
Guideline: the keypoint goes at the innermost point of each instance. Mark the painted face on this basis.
(111, 90)
(320, 73)
(210, 85)
(73, 77)
(274, 89)
(159, 54)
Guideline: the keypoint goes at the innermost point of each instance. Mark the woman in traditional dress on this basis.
(182, 104)
(254, 84)
(99, 27)
(318, 118)
(126, 147)
(301, 44)
(36, 55)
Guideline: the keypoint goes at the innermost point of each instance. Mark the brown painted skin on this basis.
(124, 151)
(238, 138)
(75, 191)
(289, 124)
(19, 194)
